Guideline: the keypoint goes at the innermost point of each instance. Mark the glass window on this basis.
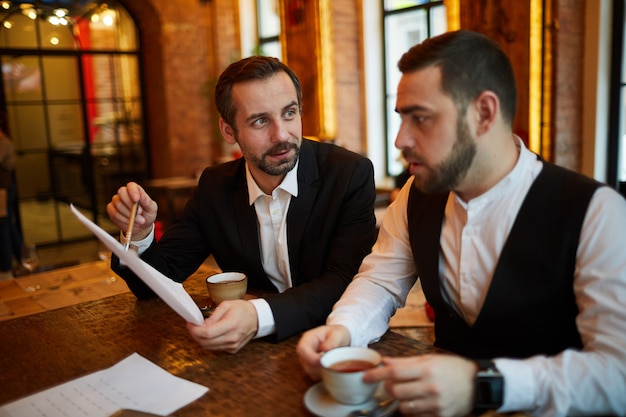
(71, 95)
(616, 135)
(268, 24)
(405, 24)
(621, 163)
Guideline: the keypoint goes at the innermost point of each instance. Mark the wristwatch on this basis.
(488, 387)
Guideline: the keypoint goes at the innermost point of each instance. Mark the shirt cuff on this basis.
(139, 246)
(519, 385)
(267, 325)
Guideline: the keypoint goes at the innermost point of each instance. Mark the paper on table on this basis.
(173, 293)
(134, 383)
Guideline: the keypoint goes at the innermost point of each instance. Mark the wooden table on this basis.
(263, 379)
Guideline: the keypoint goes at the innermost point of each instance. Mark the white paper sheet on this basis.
(173, 293)
(134, 383)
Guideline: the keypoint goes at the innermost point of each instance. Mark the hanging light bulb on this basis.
(6, 5)
(108, 17)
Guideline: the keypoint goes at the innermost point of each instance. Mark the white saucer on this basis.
(319, 402)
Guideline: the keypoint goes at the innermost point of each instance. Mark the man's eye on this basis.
(290, 114)
(259, 122)
(419, 119)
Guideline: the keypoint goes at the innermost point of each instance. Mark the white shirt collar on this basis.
(289, 184)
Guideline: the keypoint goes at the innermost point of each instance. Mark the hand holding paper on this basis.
(173, 293)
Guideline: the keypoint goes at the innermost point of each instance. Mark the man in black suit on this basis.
(295, 215)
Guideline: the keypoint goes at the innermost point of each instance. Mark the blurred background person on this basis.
(10, 238)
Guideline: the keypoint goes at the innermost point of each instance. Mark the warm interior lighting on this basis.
(30, 12)
(54, 40)
(108, 17)
(453, 14)
(534, 95)
(55, 16)
(540, 75)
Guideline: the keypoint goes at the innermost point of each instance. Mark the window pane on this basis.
(61, 78)
(401, 32)
(32, 172)
(127, 76)
(391, 5)
(66, 125)
(18, 31)
(127, 33)
(55, 36)
(22, 78)
(271, 49)
(110, 29)
(438, 21)
(621, 163)
(394, 158)
(269, 18)
(28, 126)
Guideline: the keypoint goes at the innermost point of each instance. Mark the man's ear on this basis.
(487, 106)
(227, 132)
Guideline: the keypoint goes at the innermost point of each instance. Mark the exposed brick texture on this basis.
(186, 43)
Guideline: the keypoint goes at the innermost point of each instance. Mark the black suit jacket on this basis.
(330, 228)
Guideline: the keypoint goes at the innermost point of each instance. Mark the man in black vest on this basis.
(523, 262)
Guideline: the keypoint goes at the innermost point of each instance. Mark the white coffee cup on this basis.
(342, 373)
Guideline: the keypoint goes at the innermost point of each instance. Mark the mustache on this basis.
(410, 156)
(281, 147)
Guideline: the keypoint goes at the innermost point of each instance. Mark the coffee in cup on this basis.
(227, 286)
(342, 372)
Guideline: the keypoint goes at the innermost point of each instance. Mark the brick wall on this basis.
(568, 82)
(187, 43)
(348, 61)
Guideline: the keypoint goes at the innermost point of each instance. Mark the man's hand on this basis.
(317, 341)
(231, 326)
(435, 384)
(121, 205)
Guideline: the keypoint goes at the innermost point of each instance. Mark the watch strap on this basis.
(488, 387)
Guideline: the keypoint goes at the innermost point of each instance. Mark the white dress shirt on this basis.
(271, 212)
(472, 238)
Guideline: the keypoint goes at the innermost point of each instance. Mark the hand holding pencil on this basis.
(133, 211)
(131, 224)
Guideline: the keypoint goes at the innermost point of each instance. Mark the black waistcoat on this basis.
(530, 306)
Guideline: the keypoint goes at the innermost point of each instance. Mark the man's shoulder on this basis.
(223, 174)
(327, 151)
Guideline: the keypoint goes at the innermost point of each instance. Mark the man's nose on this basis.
(280, 132)
(403, 139)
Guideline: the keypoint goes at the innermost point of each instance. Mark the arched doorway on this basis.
(72, 102)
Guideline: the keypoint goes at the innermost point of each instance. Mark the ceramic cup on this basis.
(342, 373)
(227, 286)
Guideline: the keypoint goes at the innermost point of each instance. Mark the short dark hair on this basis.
(470, 64)
(247, 69)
